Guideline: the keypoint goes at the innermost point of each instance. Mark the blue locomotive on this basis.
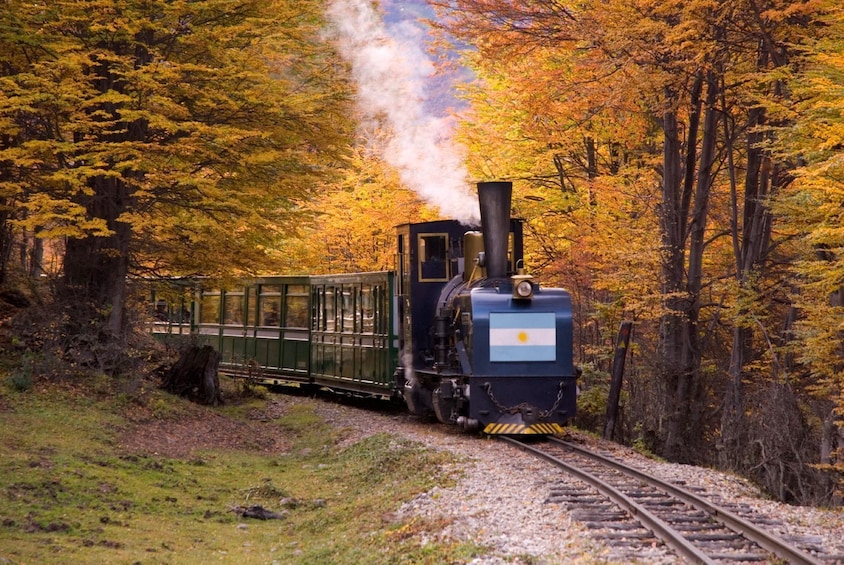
(457, 330)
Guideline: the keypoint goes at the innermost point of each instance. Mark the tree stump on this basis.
(195, 375)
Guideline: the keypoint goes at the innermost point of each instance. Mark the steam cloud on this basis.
(391, 81)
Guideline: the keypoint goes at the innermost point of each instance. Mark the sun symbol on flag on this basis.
(522, 337)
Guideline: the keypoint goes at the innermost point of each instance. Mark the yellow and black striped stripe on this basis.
(521, 429)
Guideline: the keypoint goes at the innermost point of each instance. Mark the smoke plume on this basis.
(390, 71)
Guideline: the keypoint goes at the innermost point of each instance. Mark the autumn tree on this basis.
(351, 227)
(597, 90)
(810, 211)
(163, 136)
(600, 99)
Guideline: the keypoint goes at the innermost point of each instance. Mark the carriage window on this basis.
(233, 313)
(367, 307)
(270, 305)
(172, 305)
(433, 257)
(251, 302)
(209, 308)
(318, 302)
(162, 310)
(348, 309)
(296, 305)
(329, 324)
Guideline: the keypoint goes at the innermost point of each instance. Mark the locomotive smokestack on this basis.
(494, 199)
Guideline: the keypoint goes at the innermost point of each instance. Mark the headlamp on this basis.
(522, 285)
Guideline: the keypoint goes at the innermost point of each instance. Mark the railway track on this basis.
(634, 512)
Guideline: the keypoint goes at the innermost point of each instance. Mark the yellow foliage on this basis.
(353, 224)
(215, 120)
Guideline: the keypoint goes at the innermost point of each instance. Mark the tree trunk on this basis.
(671, 324)
(195, 375)
(751, 241)
(96, 266)
(684, 219)
(6, 240)
(34, 256)
(617, 377)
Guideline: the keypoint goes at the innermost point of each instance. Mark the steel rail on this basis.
(667, 534)
(764, 539)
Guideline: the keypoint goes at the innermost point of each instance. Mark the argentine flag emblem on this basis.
(522, 336)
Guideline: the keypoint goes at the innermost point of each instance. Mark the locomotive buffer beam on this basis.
(490, 405)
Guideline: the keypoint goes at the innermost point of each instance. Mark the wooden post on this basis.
(616, 377)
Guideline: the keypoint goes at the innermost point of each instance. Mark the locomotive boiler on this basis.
(457, 330)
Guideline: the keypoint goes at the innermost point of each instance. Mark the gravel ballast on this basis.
(504, 508)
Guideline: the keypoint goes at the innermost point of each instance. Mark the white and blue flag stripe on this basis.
(522, 336)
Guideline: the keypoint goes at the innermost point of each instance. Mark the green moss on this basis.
(70, 495)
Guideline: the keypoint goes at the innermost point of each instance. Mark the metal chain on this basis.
(518, 407)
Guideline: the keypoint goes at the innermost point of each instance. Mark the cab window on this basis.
(433, 257)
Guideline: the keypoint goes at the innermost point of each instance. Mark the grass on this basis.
(70, 494)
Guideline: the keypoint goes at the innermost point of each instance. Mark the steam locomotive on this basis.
(458, 330)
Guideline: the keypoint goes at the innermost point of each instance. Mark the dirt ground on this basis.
(184, 438)
(201, 429)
